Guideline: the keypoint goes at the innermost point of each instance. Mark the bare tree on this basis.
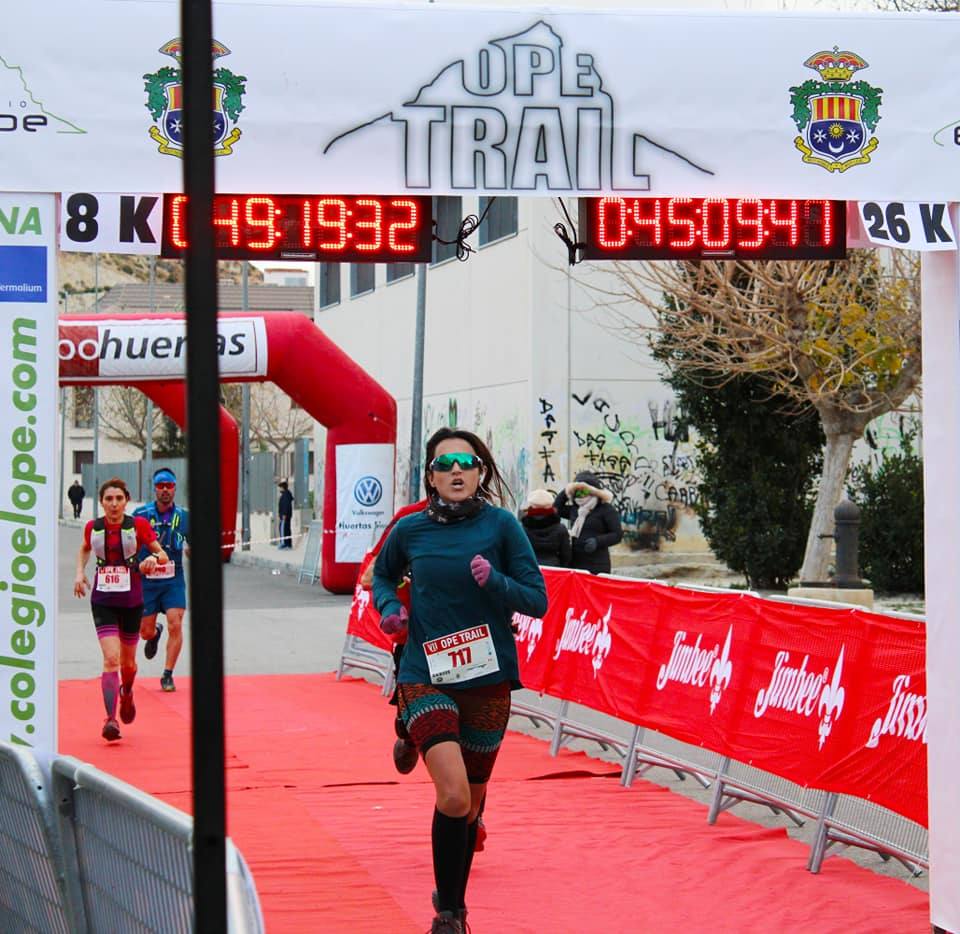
(123, 415)
(276, 421)
(842, 337)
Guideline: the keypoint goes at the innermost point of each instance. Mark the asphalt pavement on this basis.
(272, 624)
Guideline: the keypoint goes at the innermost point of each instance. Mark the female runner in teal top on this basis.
(472, 568)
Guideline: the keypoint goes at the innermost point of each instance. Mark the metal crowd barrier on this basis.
(357, 653)
(842, 820)
(33, 881)
(82, 851)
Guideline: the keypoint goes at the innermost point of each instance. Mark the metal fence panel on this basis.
(263, 483)
(32, 894)
(92, 475)
(134, 853)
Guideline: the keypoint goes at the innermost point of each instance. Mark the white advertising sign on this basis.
(111, 223)
(921, 226)
(426, 98)
(112, 350)
(28, 480)
(364, 497)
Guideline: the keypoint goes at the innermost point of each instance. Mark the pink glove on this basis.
(395, 623)
(480, 569)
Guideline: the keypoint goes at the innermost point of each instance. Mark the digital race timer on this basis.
(337, 228)
(712, 228)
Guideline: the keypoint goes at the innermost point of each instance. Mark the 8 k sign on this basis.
(364, 497)
(28, 471)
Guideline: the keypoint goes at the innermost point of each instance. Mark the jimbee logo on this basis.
(836, 117)
(367, 491)
(165, 102)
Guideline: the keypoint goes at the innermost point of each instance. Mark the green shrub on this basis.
(889, 493)
(758, 466)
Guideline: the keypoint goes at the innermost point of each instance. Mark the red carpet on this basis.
(338, 841)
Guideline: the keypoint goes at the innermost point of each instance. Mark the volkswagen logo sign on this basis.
(367, 491)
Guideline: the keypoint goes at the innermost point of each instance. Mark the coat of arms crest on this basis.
(836, 116)
(165, 102)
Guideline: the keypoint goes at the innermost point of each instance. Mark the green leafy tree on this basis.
(889, 493)
(758, 466)
(170, 440)
(758, 469)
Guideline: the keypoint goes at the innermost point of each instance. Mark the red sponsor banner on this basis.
(829, 698)
(364, 620)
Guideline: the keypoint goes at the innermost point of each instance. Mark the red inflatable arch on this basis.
(287, 349)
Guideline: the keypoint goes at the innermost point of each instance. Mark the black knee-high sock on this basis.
(449, 853)
(468, 862)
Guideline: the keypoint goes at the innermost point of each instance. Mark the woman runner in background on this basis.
(117, 595)
(472, 569)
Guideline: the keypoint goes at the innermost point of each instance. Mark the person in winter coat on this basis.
(596, 524)
(547, 534)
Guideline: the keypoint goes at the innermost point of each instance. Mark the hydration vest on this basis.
(128, 541)
(168, 533)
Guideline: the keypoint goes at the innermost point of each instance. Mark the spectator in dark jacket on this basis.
(547, 534)
(596, 524)
(285, 515)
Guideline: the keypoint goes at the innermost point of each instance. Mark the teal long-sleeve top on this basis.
(445, 598)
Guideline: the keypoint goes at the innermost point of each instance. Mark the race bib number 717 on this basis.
(461, 656)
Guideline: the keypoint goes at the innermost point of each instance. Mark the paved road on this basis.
(272, 624)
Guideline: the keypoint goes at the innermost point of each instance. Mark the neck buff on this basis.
(584, 508)
(445, 512)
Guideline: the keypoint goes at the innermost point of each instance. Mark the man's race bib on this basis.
(113, 580)
(461, 656)
(162, 572)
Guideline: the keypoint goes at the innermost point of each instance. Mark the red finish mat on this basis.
(337, 840)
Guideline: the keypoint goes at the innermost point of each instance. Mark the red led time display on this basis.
(712, 228)
(338, 228)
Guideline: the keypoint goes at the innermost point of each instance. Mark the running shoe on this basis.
(150, 645)
(128, 710)
(481, 835)
(460, 914)
(166, 683)
(404, 756)
(446, 922)
(111, 729)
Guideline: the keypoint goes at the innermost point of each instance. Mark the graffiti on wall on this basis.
(640, 450)
(649, 465)
(547, 452)
(891, 433)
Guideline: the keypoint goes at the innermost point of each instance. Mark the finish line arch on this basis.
(149, 352)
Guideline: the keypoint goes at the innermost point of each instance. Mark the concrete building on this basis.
(519, 351)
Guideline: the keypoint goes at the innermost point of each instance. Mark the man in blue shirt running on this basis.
(165, 591)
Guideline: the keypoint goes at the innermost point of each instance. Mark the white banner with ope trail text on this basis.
(425, 98)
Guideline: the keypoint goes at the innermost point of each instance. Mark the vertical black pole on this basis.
(203, 454)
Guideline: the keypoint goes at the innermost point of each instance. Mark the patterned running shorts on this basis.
(476, 718)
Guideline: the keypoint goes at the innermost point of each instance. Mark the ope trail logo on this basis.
(368, 491)
(836, 116)
(165, 102)
(521, 113)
